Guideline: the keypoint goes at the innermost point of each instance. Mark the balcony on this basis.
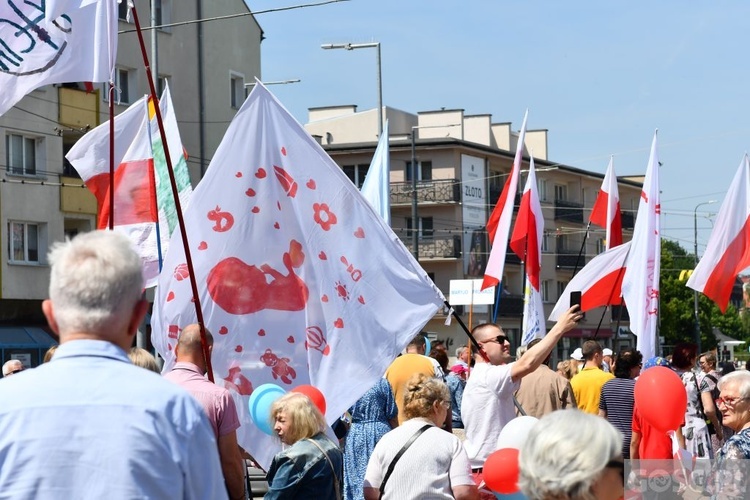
(75, 197)
(511, 305)
(433, 191)
(628, 219)
(569, 211)
(495, 195)
(511, 257)
(78, 109)
(567, 259)
(448, 247)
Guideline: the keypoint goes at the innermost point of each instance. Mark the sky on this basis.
(601, 77)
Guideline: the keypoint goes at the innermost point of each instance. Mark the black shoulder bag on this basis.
(709, 424)
(398, 455)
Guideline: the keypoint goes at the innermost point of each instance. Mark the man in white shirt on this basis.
(487, 404)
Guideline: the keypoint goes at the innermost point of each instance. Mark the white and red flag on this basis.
(526, 242)
(640, 285)
(498, 225)
(300, 280)
(78, 46)
(606, 210)
(599, 282)
(143, 193)
(728, 249)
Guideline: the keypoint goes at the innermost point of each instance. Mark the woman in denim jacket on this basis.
(311, 466)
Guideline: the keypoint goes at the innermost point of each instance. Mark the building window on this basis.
(561, 192)
(161, 84)
(20, 154)
(545, 289)
(356, 174)
(23, 242)
(561, 288)
(163, 11)
(541, 186)
(545, 241)
(123, 83)
(424, 171)
(236, 90)
(601, 245)
(426, 231)
(122, 10)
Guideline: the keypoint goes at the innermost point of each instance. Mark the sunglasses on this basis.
(500, 339)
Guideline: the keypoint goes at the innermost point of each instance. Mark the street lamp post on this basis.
(697, 331)
(414, 219)
(352, 46)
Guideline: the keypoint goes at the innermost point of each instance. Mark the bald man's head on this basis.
(189, 345)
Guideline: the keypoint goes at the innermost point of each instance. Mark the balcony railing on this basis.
(511, 305)
(448, 247)
(569, 211)
(628, 219)
(437, 191)
(619, 313)
(567, 259)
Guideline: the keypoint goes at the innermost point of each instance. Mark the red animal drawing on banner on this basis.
(280, 368)
(237, 381)
(223, 221)
(239, 288)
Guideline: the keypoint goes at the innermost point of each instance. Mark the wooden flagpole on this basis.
(175, 194)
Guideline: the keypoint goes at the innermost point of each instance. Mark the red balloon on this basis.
(501, 471)
(315, 396)
(661, 398)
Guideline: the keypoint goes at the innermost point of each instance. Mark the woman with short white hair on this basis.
(558, 462)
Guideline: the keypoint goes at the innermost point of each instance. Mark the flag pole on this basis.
(111, 154)
(175, 194)
(583, 248)
(498, 296)
(466, 330)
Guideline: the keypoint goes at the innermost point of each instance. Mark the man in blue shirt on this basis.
(89, 424)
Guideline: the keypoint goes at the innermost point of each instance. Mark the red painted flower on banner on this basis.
(323, 216)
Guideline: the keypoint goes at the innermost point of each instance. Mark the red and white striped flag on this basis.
(526, 242)
(606, 211)
(728, 250)
(498, 225)
(640, 285)
(599, 282)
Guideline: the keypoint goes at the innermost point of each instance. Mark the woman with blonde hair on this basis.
(311, 465)
(141, 357)
(407, 466)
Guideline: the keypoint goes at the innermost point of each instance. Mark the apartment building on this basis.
(462, 164)
(42, 200)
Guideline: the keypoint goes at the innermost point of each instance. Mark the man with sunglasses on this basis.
(487, 403)
(11, 367)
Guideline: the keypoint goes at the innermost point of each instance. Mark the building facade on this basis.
(42, 199)
(462, 164)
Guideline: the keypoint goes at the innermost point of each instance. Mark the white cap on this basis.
(577, 354)
(607, 351)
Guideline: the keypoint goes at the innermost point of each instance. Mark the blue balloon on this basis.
(260, 403)
(427, 345)
(512, 496)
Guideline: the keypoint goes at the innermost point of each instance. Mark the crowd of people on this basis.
(98, 420)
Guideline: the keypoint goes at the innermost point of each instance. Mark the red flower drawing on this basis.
(324, 216)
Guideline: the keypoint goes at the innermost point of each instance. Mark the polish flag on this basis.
(606, 211)
(526, 242)
(728, 250)
(599, 282)
(498, 225)
(640, 285)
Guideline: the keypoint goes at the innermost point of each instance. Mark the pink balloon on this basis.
(661, 398)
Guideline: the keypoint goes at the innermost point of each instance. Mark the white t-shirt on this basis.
(438, 457)
(486, 407)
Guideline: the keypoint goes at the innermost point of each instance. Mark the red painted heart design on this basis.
(238, 348)
(276, 225)
(359, 233)
(203, 245)
(223, 330)
(361, 299)
(324, 298)
(238, 174)
(283, 151)
(250, 192)
(311, 184)
(290, 339)
(261, 333)
(170, 296)
(255, 210)
(261, 173)
(339, 323)
(322, 256)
